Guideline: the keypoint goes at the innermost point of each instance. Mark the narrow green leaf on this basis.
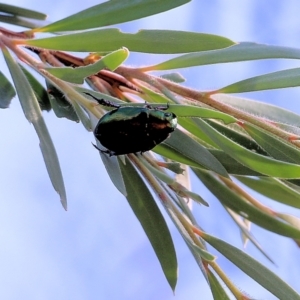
(238, 204)
(61, 107)
(83, 115)
(187, 237)
(152, 221)
(188, 111)
(148, 41)
(196, 197)
(164, 177)
(175, 167)
(19, 11)
(175, 77)
(190, 125)
(19, 21)
(260, 109)
(203, 253)
(39, 91)
(188, 151)
(77, 75)
(154, 97)
(33, 114)
(275, 80)
(231, 165)
(112, 12)
(200, 112)
(273, 188)
(276, 147)
(112, 166)
(239, 52)
(216, 288)
(51, 160)
(167, 151)
(244, 225)
(254, 269)
(262, 164)
(7, 91)
(235, 133)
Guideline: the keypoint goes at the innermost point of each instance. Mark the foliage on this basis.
(223, 139)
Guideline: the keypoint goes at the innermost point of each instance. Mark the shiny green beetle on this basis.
(131, 129)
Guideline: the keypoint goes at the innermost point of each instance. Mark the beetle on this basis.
(132, 129)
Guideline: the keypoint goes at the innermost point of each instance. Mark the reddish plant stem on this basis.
(206, 98)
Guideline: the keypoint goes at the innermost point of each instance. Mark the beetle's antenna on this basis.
(103, 101)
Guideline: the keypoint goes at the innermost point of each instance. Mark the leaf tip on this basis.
(64, 203)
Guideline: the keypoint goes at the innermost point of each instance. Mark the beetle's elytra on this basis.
(131, 129)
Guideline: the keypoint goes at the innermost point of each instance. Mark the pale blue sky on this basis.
(97, 249)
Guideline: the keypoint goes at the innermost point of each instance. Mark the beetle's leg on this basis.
(103, 101)
(100, 150)
(147, 105)
(110, 153)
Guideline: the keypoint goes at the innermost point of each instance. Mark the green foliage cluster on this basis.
(221, 138)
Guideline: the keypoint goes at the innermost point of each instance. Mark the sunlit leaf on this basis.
(252, 160)
(77, 75)
(112, 12)
(149, 41)
(239, 52)
(190, 125)
(260, 109)
(275, 80)
(200, 112)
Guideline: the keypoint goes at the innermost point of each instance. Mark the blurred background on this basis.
(98, 250)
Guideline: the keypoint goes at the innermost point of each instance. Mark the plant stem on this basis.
(233, 186)
(166, 87)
